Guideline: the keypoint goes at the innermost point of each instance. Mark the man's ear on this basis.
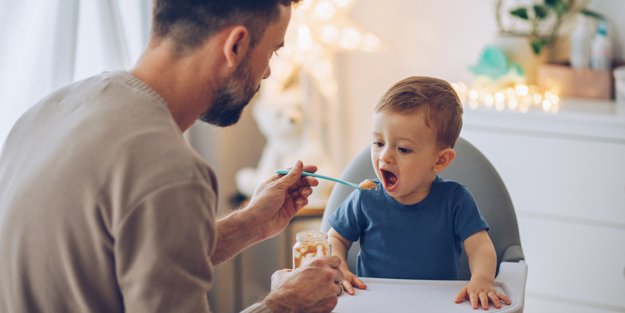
(445, 157)
(236, 45)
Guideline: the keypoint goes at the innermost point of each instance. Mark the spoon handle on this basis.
(284, 172)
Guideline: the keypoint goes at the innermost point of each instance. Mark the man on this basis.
(105, 208)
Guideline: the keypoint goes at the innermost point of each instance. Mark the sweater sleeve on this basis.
(163, 247)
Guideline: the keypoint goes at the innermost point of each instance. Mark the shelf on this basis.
(592, 120)
(310, 211)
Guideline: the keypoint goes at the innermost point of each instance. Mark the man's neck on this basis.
(178, 79)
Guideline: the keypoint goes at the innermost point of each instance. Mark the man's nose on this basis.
(267, 73)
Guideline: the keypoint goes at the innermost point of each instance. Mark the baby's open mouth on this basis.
(390, 179)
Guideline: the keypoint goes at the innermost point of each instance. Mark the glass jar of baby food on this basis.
(310, 244)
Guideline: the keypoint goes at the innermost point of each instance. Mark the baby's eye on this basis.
(404, 150)
(377, 144)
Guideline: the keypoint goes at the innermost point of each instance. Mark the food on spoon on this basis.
(367, 184)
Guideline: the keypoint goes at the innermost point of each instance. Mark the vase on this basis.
(518, 50)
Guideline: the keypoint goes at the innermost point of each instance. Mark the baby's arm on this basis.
(483, 264)
(340, 245)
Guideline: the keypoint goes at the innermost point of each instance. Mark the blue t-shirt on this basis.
(418, 241)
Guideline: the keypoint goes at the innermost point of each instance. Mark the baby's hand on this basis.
(350, 281)
(481, 292)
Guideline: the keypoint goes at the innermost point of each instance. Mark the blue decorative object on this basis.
(493, 63)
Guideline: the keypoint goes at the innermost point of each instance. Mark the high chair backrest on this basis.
(470, 168)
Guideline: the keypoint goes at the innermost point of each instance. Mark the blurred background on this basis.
(554, 129)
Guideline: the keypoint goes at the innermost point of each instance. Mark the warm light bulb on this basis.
(499, 97)
(552, 97)
(546, 105)
(522, 89)
(474, 94)
(489, 100)
(510, 93)
(350, 38)
(304, 38)
(325, 10)
(330, 34)
(537, 98)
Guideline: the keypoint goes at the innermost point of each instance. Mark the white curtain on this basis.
(46, 44)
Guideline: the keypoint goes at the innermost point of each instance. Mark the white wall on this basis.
(434, 38)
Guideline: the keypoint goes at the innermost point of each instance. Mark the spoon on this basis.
(366, 184)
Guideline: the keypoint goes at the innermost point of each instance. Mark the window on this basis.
(46, 44)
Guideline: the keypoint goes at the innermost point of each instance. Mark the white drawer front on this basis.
(572, 261)
(538, 304)
(555, 176)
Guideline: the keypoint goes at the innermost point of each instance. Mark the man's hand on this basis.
(275, 201)
(270, 210)
(311, 288)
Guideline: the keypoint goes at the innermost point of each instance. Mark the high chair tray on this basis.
(403, 296)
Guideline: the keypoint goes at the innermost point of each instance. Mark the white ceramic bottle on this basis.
(601, 51)
(580, 44)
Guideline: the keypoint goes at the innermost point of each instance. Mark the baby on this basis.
(415, 224)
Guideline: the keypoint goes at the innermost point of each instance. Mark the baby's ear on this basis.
(445, 157)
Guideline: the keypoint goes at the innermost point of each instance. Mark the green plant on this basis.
(544, 19)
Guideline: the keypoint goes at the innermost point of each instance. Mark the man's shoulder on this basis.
(132, 130)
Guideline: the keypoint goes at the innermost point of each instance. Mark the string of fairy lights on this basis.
(519, 97)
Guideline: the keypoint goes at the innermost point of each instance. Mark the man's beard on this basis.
(231, 98)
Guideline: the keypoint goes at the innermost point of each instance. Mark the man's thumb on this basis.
(294, 173)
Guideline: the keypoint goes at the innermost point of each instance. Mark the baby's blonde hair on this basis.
(442, 106)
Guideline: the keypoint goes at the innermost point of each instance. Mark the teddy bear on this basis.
(291, 135)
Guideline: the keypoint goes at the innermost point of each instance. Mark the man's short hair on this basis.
(189, 23)
(436, 97)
